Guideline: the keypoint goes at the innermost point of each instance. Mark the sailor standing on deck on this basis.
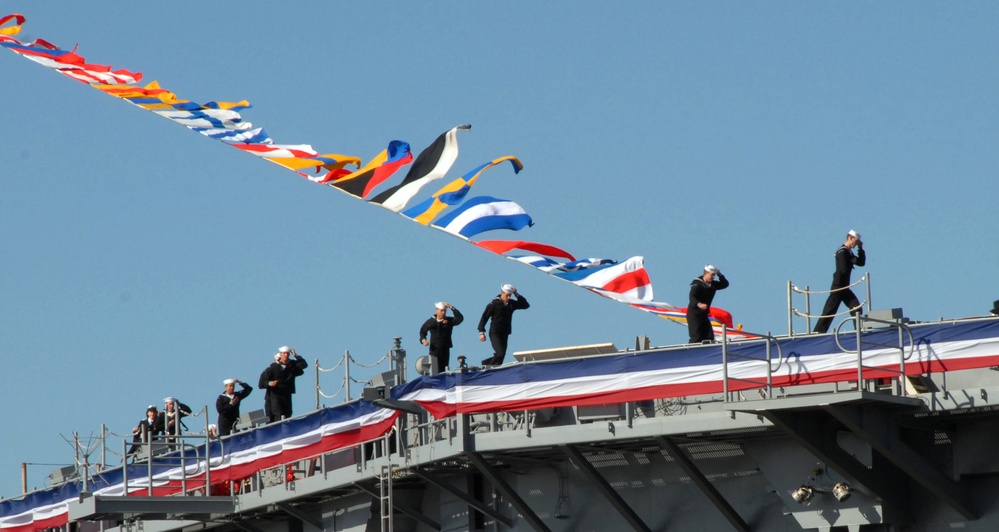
(439, 326)
(146, 429)
(279, 382)
(499, 312)
(169, 419)
(227, 404)
(841, 293)
(702, 293)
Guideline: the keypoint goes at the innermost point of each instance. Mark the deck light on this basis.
(803, 495)
(423, 366)
(841, 491)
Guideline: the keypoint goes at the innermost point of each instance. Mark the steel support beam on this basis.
(815, 433)
(469, 500)
(511, 495)
(879, 431)
(702, 482)
(300, 515)
(412, 512)
(240, 524)
(100, 507)
(605, 488)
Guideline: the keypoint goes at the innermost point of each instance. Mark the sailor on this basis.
(500, 312)
(840, 290)
(278, 380)
(227, 404)
(439, 326)
(146, 429)
(702, 293)
(173, 411)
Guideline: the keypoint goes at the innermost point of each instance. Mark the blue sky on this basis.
(141, 260)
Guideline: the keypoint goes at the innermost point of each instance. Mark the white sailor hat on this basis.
(284, 349)
(854, 234)
(169, 400)
(507, 288)
(710, 269)
(150, 407)
(439, 305)
(228, 382)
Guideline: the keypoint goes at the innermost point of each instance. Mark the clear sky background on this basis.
(141, 260)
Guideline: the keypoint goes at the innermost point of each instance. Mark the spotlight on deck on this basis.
(841, 491)
(803, 495)
(423, 365)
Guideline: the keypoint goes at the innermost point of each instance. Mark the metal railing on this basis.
(397, 360)
(411, 431)
(793, 312)
(860, 321)
(768, 359)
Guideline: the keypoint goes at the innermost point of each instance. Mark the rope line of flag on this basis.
(625, 281)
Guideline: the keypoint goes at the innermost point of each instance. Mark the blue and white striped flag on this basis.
(484, 213)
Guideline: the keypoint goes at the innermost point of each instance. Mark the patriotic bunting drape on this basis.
(625, 281)
(634, 376)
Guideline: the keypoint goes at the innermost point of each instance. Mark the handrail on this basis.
(831, 290)
(792, 311)
(768, 384)
(345, 360)
(894, 324)
(178, 455)
(859, 321)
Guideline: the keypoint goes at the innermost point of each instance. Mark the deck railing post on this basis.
(346, 381)
(124, 467)
(808, 310)
(770, 370)
(725, 364)
(208, 454)
(104, 446)
(860, 354)
(790, 312)
(900, 388)
(149, 468)
(867, 277)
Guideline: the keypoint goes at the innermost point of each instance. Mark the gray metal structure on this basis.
(912, 456)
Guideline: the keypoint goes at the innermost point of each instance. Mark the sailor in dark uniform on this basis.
(279, 382)
(845, 261)
(227, 404)
(500, 312)
(702, 293)
(146, 429)
(169, 420)
(439, 326)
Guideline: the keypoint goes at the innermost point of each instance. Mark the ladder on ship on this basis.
(385, 501)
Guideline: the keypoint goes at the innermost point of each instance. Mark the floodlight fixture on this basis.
(423, 366)
(841, 491)
(803, 495)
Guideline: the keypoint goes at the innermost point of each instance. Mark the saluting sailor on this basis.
(439, 327)
(278, 380)
(499, 314)
(841, 293)
(702, 293)
(227, 404)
